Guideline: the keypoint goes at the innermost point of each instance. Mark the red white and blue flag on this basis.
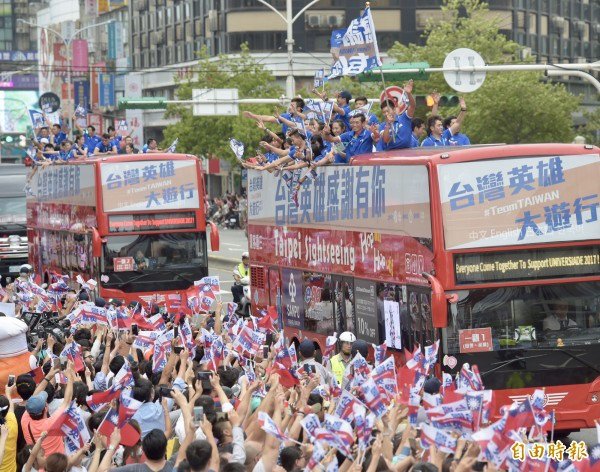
(270, 427)
(431, 436)
(373, 398)
(384, 376)
(74, 429)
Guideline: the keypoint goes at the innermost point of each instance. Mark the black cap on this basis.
(360, 346)
(432, 386)
(306, 349)
(100, 302)
(83, 296)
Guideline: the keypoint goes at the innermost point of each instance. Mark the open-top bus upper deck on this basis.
(508, 235)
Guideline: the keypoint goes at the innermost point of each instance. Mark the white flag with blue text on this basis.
(358, 51)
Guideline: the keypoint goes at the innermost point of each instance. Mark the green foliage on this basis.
(209, 135)
(510, 107)
(591, 130)
(519, 108)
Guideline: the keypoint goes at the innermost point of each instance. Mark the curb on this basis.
(225, 260)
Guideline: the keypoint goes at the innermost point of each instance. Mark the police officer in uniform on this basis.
(338, 363)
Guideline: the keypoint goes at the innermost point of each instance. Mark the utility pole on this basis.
(68, 42)
(289, 19)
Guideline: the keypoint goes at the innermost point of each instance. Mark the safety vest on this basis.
(338, 368)
(242, 270)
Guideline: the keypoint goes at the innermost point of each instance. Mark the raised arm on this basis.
(455, 128)
(263, 118)
(412, 104)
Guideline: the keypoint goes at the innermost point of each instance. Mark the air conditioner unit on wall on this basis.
(558, 22)
(313, 21)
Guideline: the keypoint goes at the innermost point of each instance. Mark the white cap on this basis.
(13, 337)
(44, 141)
(347, 337)
(246, 254)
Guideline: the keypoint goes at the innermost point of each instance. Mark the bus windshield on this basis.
(12, 209)
(529, 317)
(168, 261)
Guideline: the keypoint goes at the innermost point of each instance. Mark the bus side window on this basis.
(318, 303)
(344, 304)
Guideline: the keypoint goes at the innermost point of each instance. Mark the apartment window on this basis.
(565, 32)
(544, 20)
(520, 19)
(386, 40)
(532, 23)
(169, 15)
(187, 11)
(544, 5)
(145, 22)
(178, 32)
(144, 38)
(169, 35)
(198, 28)
(424, 16)
(160, 16)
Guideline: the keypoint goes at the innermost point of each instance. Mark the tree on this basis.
(209, 135)
(591, 130)
(515, 107)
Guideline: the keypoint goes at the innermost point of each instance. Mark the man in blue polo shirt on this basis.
(359, 140)
(294, 115)
(105, 146)
(435, 132)
(58, 136)
(418, 131)
(452, 126)
(396, 130)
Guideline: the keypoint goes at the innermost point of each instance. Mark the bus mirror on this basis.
(96, 243)
(439, 308)
(214, 236)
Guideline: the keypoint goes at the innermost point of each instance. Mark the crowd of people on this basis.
(310, 136)
(186, 385)
(51, 144)
(229, 210)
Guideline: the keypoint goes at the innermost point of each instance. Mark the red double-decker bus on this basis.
(494, 250)
(135, 224)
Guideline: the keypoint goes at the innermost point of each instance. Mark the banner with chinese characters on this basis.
(357, 51)
(149, 185)
(72, 184)
(370, 221)
(384, 199)
(530, 200)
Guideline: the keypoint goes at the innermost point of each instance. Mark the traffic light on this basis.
(445, 101)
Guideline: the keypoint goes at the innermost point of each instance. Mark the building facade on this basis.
(18, 67)
(165, 35)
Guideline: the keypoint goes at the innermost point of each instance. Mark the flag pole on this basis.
(387, 97)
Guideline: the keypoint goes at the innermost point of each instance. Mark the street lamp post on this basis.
(289, 19)
(68, 41)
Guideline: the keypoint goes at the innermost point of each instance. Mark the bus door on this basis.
(404, 316)
(343, 289)
(275, 291)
